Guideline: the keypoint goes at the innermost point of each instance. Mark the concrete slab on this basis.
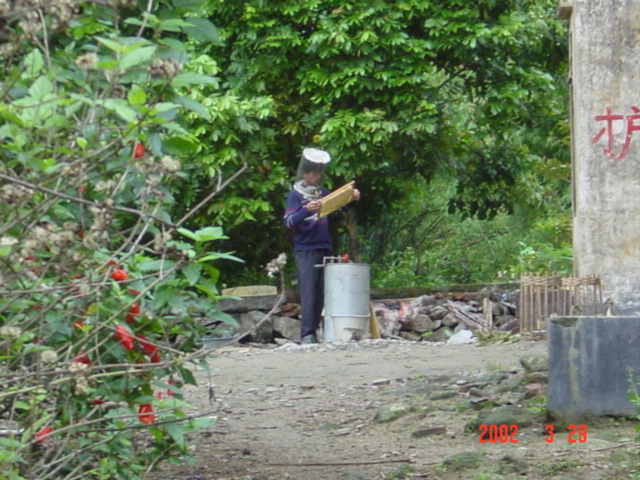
(591, 363)
(250, 291)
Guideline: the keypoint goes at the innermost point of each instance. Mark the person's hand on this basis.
(355, 195)
(313, 206)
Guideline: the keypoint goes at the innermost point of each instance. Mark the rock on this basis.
(388, 413)
(412, 336)
(535, 364)
(533, 390)
(503, 415)
(428, 431)
(443, 395)
(440, 335)
(420, 323)
(536, 377)
(245, 304)
(381, 381)
(477, 392)
(287, 327)
(261, 334)
(437, 312)
(463, 337)
(450, 320)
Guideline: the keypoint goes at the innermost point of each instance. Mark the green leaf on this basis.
(187, 376)
(137, 95)
(161, 296)
(187, 6)
(194, 106)
(41, 87)
(192, 272)
(176, 431)
(33, 63)
(165, 106)
(218, 256)
(121, 108)
(173, 24)
(140, 55)
(223, 317)
(12, 117)
(208, 234)
(179, 146)
(192, 78)
(156, 265)
(187, 233)
(202, 30)
(110, 44)
(204, 422)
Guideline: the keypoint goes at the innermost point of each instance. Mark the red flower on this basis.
(138, 150)
(43, 434)
(124, 337)
(119, 275)
(155, 357)
(112, 262)
(79, 324)
(134, 312)
(134, 292)
(82, 357)
(147, 347)
(145, 413)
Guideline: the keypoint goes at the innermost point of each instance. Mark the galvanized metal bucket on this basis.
(346, 301)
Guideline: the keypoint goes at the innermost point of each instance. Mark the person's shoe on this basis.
(308, 339)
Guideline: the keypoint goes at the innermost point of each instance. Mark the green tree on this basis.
(391, 89)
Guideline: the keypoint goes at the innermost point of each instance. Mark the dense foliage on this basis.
(100, 286)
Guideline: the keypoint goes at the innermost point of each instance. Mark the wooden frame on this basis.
(336, 199)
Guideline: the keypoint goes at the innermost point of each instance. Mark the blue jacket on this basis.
(310, 233)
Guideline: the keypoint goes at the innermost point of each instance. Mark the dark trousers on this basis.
(310, 288)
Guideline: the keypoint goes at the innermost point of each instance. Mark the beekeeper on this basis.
(311, 239)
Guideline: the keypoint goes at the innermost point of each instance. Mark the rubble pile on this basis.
(437, 317)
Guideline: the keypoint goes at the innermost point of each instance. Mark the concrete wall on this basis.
(605, 83)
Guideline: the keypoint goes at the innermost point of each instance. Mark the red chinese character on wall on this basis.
(630, 127)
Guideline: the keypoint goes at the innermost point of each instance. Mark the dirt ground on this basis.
(313, 413)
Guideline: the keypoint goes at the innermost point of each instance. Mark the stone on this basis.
(463, 337)
(244, 304)
(442, 395)
(420, 323)
(388, 413)
(263, 333)
(250, 291)
(502, 415)
(428, 431)
(450, 320)
(437, 312)
(287, 327)
(534, 364)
